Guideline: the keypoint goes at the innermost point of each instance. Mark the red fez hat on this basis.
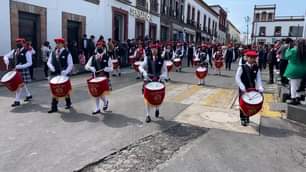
(59, 40)
(100, 43)
(20, 40)
(251, 53)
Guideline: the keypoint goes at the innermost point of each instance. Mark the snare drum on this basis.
(60, 86)
(169, 65)
(201, 72)
(98, 86)
(12, 80)
(251, 102)
(154, 93)
(136, 65)
(115, 63)
(132, 60)
(177, 62)
(219, 64)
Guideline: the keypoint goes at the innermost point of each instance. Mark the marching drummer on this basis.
(156, 71)
(140, 55)
(100, 64)
(179, 53)
(247, 77)
(22, 62)
(218, 60)
(202, 56)
(60, 63)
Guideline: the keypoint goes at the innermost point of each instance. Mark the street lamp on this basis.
(247, 20)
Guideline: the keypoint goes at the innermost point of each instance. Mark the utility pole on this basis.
(247, 20)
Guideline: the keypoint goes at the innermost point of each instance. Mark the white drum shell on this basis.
(8, 76)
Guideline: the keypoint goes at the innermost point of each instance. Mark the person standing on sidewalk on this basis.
(283, 63)
(228, 56)
(22, 57)
(296, 69)
(45, 52)
(190, 54)
(271, 59)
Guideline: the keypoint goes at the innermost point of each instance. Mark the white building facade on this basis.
(222, 23)
(268, 28)
(233, 33)
(40, 21)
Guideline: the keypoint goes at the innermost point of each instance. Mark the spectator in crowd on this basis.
(32, 50)
(74, 52)
(101, 39)
(190, 54)
(85, 45)
(283, 62)
(296, 69)
(110, 47)
(229, 55)
(262, 58)
(271, 60)
(91, 46)
(45, 52)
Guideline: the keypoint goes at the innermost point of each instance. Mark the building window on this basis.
(94, 1)
(198, 19)
(164, 33)
(270, 16)
(263, 16)
(257, 17)
(182, 11)
(188, 14)
(296, 31)
(193, 15)
(278, 31)
(262, 31)
(153, 31)
(204, 23)
(154, 6)
(139, 29)
(141, 3)
(209, 31)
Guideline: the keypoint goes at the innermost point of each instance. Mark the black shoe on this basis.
(114, 75)
(105, 107)
(119, 74)
(294, 102)
(15, 104)
(244, 123)
(157, 113)
(96, 112)
(137, 77)
(148, 119)
(52, 111)
(68, 106)
(247, 120)
(28, 98)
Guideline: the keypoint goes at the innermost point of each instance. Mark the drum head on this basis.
(115, 61)
(8, 76)
(201, 69)
(252, 97)
(177, 60)
(154, 86)
(97, 79)
(138, 63)
(59, 79)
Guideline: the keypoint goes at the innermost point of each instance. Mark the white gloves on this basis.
(64, 73)
(145, 75)
(18, 66)
(242, 88)
(92, 69)
(260, 89)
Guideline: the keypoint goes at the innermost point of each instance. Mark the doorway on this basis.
(74, 39)
(29, 28)
(118, 27)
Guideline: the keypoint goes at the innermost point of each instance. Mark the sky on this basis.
(239, 9)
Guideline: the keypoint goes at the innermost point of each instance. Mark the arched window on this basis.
(264, 16)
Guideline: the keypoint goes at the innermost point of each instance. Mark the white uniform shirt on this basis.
(69, 62)
(11, 54)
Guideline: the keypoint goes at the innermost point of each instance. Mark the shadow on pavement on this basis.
(29, 107)
(118, 120)
(74, 116)
(281, 128)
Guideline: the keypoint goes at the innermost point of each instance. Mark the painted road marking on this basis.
(266, 112)
(221, 98)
